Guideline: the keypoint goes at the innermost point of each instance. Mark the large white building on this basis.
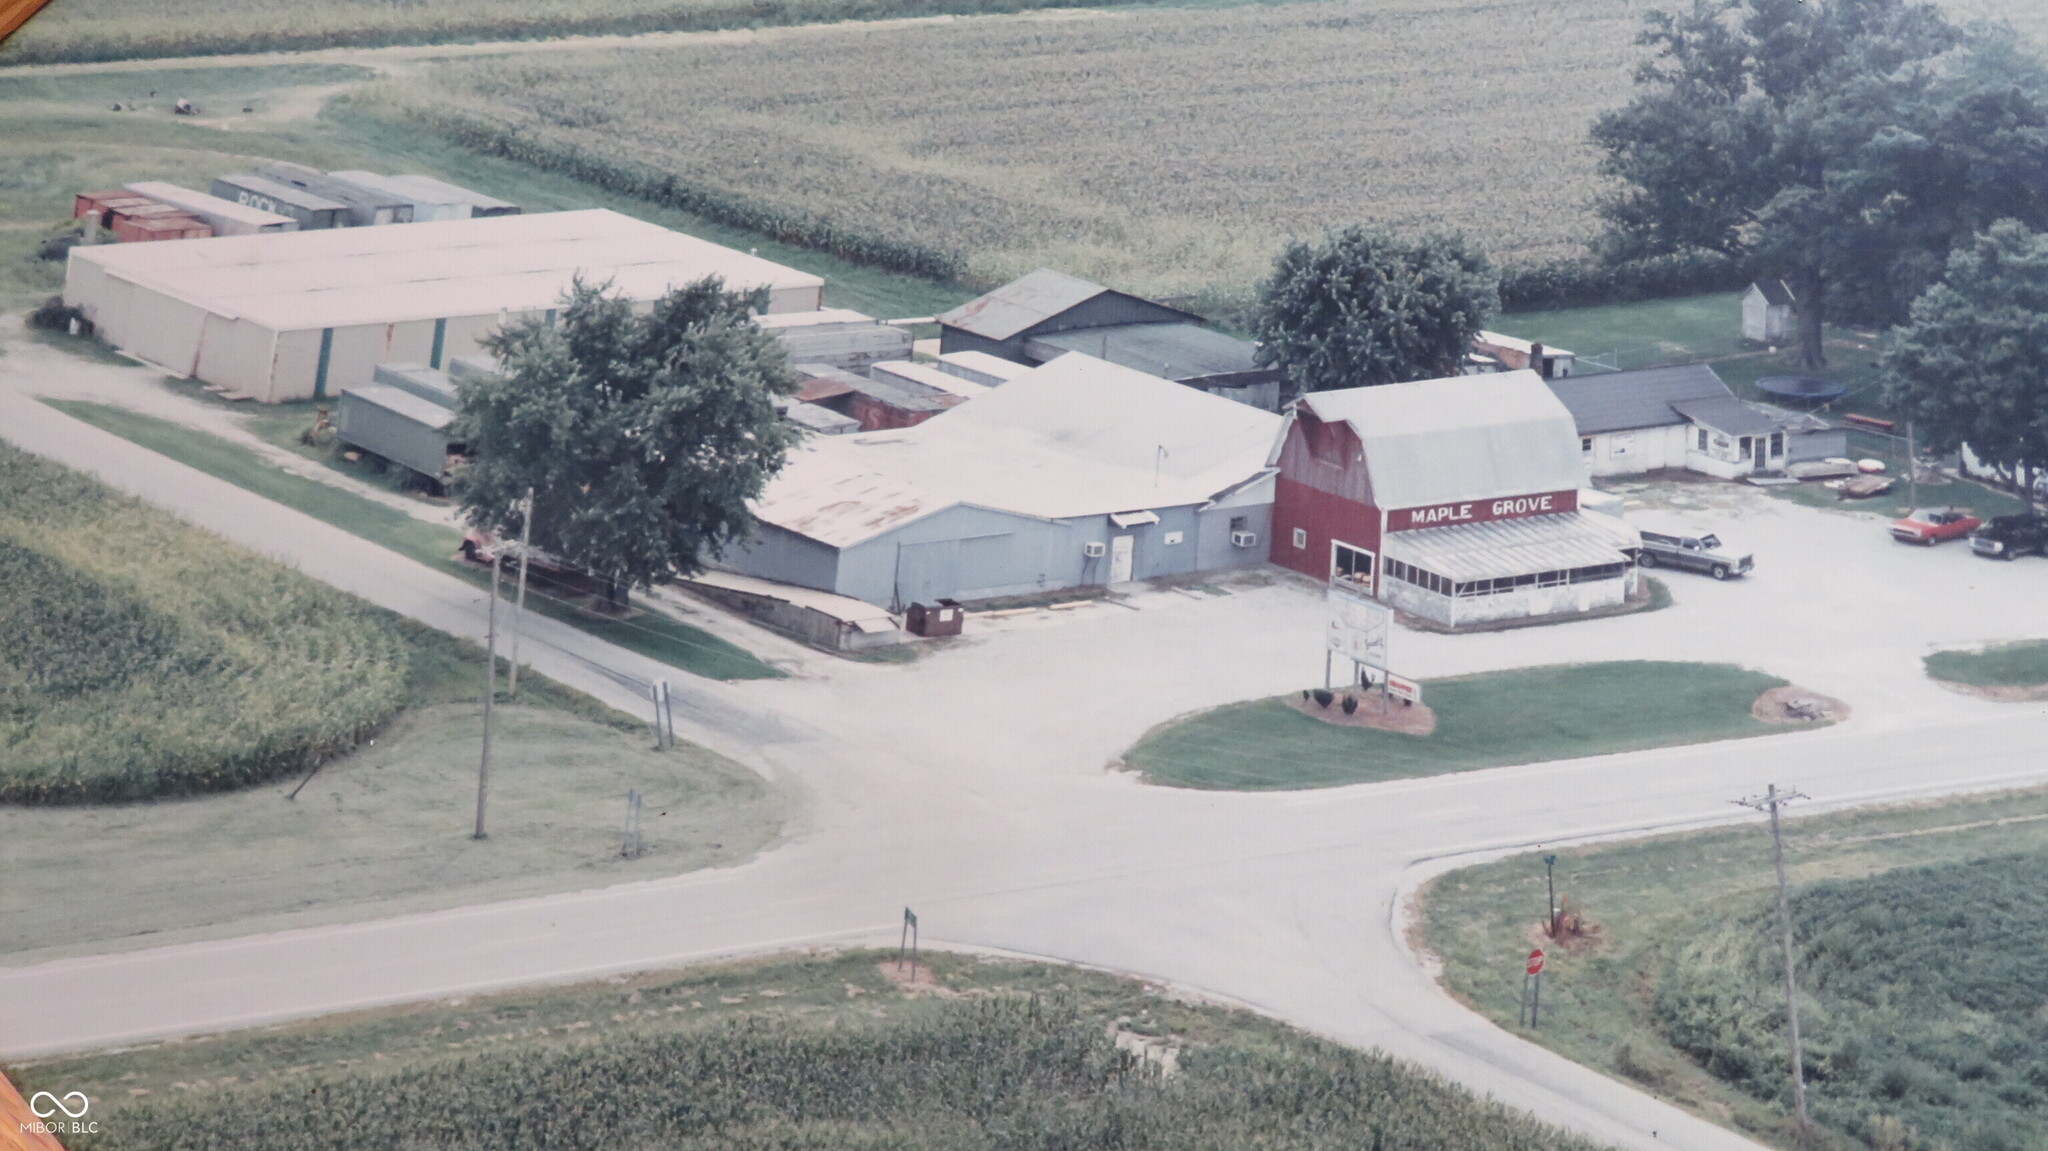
(301, 315)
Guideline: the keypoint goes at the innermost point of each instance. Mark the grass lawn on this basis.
(1973, 497)
(818, 1050)
(1494, 719)
(384, 829)
(2021, 664)
(651, 634)
(1654, 900)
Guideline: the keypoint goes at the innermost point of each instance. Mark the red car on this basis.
(1930, 526)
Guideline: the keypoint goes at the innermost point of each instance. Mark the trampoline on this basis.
(1805, 389)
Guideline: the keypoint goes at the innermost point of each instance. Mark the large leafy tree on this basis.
(643, 436)
(1363, 308)
(1845, 145)
(1971, 365)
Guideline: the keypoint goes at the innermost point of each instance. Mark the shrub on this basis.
(54, 315)
(1580, 283)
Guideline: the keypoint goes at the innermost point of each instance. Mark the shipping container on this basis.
(311, 211)
(366, 206)
(225, 217)
(157, 222)
(433, 199)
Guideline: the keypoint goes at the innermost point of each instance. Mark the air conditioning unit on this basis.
(1094, 549)
(1244, 539)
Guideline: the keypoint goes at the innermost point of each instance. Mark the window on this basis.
(1301, 537)
(1742, 447)
(1240, 523)
(1351, 564)
(1586, 445)
(1550, 579)
(1777, 443)
(1703, 439)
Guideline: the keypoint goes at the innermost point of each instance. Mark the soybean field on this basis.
(142, 657)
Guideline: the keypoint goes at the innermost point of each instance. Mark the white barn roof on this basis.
(1075, 437)
(1460, 438)
(344, 276)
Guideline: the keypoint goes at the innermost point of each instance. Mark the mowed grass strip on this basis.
(1677, 986)
(651, 634)
(798, 1053)
(1494, 719)
(2022, 664)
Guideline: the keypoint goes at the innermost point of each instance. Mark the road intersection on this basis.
(971, 785)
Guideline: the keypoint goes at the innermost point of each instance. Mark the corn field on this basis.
(141, 657)
(982, 1073)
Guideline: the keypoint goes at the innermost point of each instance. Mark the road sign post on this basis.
(908, 940)
(1532, 988)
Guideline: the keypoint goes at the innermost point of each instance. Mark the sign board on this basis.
(1536, 962)
(1358, 627)
(1482, 511)
(1401, 688)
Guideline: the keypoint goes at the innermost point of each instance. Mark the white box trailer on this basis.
(300, 315)
(227, 217)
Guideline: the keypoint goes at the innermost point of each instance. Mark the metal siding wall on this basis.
(805, 299)
(1218, 553)
(955, 340)
(1107, 309)
(784, 556)
(292, 367)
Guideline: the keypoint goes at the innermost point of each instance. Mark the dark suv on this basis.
(2003, 537)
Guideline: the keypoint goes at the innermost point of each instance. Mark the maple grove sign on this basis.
(1482, 511)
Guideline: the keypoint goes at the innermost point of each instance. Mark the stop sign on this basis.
(1536, 962)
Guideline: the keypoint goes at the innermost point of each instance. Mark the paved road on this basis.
(971, 786)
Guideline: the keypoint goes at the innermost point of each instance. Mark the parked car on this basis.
(1702, 553)
(2004, 537)
(1930, 526)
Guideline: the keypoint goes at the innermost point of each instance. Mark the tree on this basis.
(642, 436)
(1971, 366)
(1845, 145)
(1364, 308)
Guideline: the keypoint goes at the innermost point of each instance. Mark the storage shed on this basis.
(1077, 473)
(310, 210)
(1768, 315)
(1455, 500)
(225, 217)
(298, 315)
(1048, 314)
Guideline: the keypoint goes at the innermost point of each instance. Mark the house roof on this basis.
(1458, 438)
(1174, 351)
(1021, 303)
(1728, 415)
(1775, 292)
(1623, 401)
(1075, 437)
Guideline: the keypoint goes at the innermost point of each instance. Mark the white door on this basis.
(1120, 549)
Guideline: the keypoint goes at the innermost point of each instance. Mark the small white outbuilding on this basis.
(1767, 312)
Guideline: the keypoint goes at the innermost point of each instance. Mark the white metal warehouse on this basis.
(299, 315)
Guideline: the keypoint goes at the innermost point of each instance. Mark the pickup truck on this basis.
(2003, 537)
(1703, 553)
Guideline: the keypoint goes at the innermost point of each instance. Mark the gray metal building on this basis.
(366, 205)
(1080, 472)
(432, 199)
(1048, 314)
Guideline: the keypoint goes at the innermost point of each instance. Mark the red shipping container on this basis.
(167, 225)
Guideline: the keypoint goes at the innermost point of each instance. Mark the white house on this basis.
(1685, 417)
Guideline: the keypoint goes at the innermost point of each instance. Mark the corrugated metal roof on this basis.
(1021, 303)
(810, 319)
(1076, 437)
(401, 403)
(1505, 548)
(1171, 351)
(207, 204)
(1726, 414)
(1776, 292)
(930, 377)
(982, 364)
(284, 193)
(342, 276)
(1458, 438)
(837, 606)
(1624, 401)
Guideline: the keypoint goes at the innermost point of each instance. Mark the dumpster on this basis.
(930, 619)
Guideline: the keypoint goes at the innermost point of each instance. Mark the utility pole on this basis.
(519, 609)
(1770, 801)
(1912, 470)
(483, 768)
(1550, 881)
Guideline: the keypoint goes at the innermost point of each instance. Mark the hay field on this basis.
(1169, 151)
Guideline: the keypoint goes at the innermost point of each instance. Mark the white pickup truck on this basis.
(1701, 553)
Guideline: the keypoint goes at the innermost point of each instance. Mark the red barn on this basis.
(1454, 499)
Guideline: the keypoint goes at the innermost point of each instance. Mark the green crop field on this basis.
(1168, 151)
(1494, 719)
(1918, 932)
(140, 657)
(816, 1052)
